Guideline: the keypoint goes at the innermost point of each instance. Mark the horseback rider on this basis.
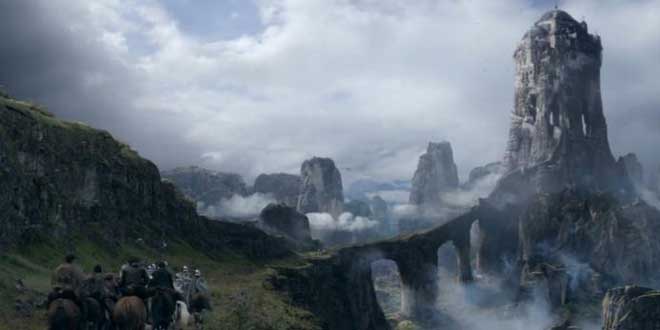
(66, 281)
(133, 279)
(95, 287)
(162, 279)
(68, 276)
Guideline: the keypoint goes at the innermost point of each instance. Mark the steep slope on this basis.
(62, 179)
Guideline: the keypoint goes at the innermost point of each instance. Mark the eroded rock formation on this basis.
(633, 168)
(631, 308)
(558, 132)
(286, 221)
(589, 240)
(285, 188)
(481, 172)
(206, 186)
(436, 173)
(321, 189)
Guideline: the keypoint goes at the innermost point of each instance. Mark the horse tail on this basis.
(62, 315)
(129, 313)
(59, 320)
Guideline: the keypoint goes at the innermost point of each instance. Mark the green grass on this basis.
(240, 297)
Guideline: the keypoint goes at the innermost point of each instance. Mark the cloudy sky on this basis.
(259, 86)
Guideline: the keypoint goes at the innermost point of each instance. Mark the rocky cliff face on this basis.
(632, 167)
(582, 243)
(558, 129)
(321, 189)
(285, 188)
(62, 179)
(206, 186)
(436, 173)
(481, 172)
(631, 308)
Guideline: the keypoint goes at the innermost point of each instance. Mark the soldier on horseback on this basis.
(133, 279)
(66, 281)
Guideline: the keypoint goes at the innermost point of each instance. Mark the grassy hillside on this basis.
(240, 295)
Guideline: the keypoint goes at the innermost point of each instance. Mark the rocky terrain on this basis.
(631, 308)
(206, 186)
(285, 188)
(322, 189)
(436, 173)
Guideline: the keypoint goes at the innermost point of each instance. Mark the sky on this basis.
(259, 86)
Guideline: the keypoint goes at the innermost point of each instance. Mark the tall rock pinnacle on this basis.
(558, 129)
(321, 189)
(436, 173)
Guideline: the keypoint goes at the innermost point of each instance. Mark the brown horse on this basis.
(130, 314)
(63, 314)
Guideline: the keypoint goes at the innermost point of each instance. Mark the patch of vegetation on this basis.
(240, 297)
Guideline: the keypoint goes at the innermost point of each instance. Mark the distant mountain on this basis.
(361, 188)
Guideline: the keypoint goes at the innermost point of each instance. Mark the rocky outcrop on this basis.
(582, 243)
(632, 167)
(206, 186)
(62, 180)
(286, 221)
(558, 133)
(436, 173)
(285, 188)
(321, 189)
(358, 208)
(631, 308)
(481, 172)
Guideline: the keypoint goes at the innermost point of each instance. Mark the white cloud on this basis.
(367, 83)
(237, 206)
(322, 222)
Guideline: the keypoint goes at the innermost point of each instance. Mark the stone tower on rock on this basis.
(558, 135)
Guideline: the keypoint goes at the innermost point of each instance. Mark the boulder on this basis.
(631, 308)
(285, 188)
(286, 221)
(321, 189)
(436, 173)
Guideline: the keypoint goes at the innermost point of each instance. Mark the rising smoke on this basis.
(237, 207)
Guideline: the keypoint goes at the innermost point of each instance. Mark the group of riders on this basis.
(153, 293)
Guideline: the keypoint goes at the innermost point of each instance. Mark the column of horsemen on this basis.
(96, 295)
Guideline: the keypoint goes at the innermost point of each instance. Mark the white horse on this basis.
(182, 318)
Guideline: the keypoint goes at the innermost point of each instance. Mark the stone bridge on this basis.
(338, 287)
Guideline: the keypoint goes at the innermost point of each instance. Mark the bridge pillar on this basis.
(465, 274)
(419, 289)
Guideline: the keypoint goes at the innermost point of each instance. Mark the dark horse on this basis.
(163, 305)
(130, 314)
(199, 302)
(63, 314)
(95, 315)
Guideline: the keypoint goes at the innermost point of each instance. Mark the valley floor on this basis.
(241, 298)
